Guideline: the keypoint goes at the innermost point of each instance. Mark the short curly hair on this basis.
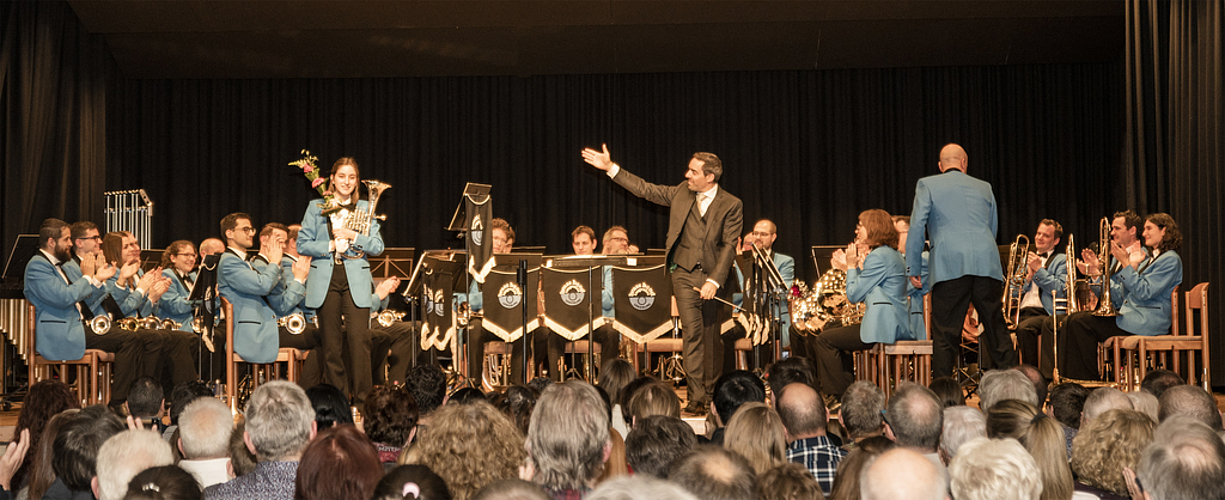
(469, 446)
(391, 414)
(1108, 443)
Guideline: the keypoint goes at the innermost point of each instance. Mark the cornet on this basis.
(100, 325)
(295, 323)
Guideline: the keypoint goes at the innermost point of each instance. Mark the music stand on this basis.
(205, 299)
(394, 261)
(590, 262)
(536, 249)
(822, 253)
(461, 215)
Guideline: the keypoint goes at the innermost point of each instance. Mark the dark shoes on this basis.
(695, 408)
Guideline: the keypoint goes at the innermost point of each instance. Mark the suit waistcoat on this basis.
(689, 244)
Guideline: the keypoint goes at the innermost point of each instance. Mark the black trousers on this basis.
(831, 352)
(1028, 331)
(1078, 339)
(606, 336)
(700, 333)
(346, 344)
(309, 340)
(950, 301)
(136, 355)
(180, 353)
(539, 338)
(395, 346)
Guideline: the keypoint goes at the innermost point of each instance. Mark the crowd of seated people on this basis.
(623, 438)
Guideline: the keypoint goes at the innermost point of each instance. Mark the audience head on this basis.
(862, 404)
(995, 469)
(45, 399)
(185, 393)
(280, 421)
(75, 450)
(1111, 442)
(241, 458)
(540, 383)
(627, 392)
(456, 434)
(639, 487)
(998, 385)
(1031, 372)
(961, 424)
(614, 376)
(42, 473)
(466, 395)
(796, 369)
(428, 384)
(145, 399)
(1067, 402)
(1185, 460)
(1145, 403)
(948, 391)
(518, 404)
(915, 418)
(653, 399)
(801, 410)
(416, 480)
(511, 489)
(126, 454)
(390, 416)
(733, 389)
(339, 464)
(1192, 401)
(757, 433)
(1041, 436)
(788, 481)
(204, 429)
(714, 473)
(568, 439)
(846, 480)
(900, 474)
(655, 442)
(331, 406)
(165, 482)
(1102, 400)
(1157, 381)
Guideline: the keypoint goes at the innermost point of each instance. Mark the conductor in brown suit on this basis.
(703, 224)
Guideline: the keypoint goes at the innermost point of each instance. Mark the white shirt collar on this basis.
(239, 252)
(710, 193)
(54, 261)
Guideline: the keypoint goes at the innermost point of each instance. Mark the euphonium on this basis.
(1014, 280)
(294, 323)
(100, 325)
(389, 317)
(1105, 307)
(360, 219)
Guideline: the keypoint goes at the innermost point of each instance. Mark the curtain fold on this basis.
(1175, 135)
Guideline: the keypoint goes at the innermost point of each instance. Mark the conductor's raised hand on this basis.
(597, 159)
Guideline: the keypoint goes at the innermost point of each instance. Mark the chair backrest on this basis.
(927, 314)
(228, 309)
(30, 333)
(1196, 302)
(1174, 310)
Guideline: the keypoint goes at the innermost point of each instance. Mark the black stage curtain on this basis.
(1175, 142)
(808, 149)
(55, 82)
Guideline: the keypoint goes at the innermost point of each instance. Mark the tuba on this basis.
(1105, 307)
(824, 302)
(1014, 280)
(360, 220)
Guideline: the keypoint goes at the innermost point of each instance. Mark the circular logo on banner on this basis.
(476, 229)
(572, 293)
(642, 296)
(510, 295)
(429, 300)
(438, 303)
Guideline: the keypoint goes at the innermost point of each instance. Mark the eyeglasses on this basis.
(87, 238)
(248, 230)
(619, 239)
(192, 255)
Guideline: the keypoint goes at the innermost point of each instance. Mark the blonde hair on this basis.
(468, 446)
(654, 399)
(1042, 436)
(757, 432)
(1108, 443)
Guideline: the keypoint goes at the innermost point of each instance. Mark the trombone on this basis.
(1105, 306)
(1014, 280)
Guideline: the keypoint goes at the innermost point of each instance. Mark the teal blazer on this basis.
(58, 328)
(881, 284)
(245, 285)
(1146, 293)
(961, 227)
(313, 241)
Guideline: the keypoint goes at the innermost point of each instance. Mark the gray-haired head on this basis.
(568, 435)
(915, 417)
(280, 420)
(961, 424)
(998, 385)
(1185, 460)
(204, 429)
(639, 487)
(1102, 400)
(995, 469)
(902, 473)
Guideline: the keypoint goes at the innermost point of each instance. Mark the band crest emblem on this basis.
(642, 296)
(573, 293)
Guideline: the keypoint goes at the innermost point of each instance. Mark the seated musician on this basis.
(582, 240)
(287, 296)
(1140, 290)
(179, 266)
(914, 295)
(180, 349)
(876, 276)
(59, 291)
(246, 285)
(1046, 272)
(764, 235)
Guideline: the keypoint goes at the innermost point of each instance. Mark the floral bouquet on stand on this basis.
(311, 171)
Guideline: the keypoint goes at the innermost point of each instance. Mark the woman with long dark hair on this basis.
(340, 286)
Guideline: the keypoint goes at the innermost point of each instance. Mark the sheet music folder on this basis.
(480, 191)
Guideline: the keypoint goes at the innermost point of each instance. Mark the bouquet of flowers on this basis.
(311, 171)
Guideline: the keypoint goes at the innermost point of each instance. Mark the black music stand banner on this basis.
(504, 301)
(437, 315)
(479, 211)
(571, 299)
(642, 298)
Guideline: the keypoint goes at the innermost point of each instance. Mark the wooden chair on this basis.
(1130, 351)
(93, 369)
(909, 360)
(291, 357)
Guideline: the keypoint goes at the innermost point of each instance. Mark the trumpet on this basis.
(295, 323)
(101, 324)
(389, 317)
(1014, 280)
(1105, 307)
